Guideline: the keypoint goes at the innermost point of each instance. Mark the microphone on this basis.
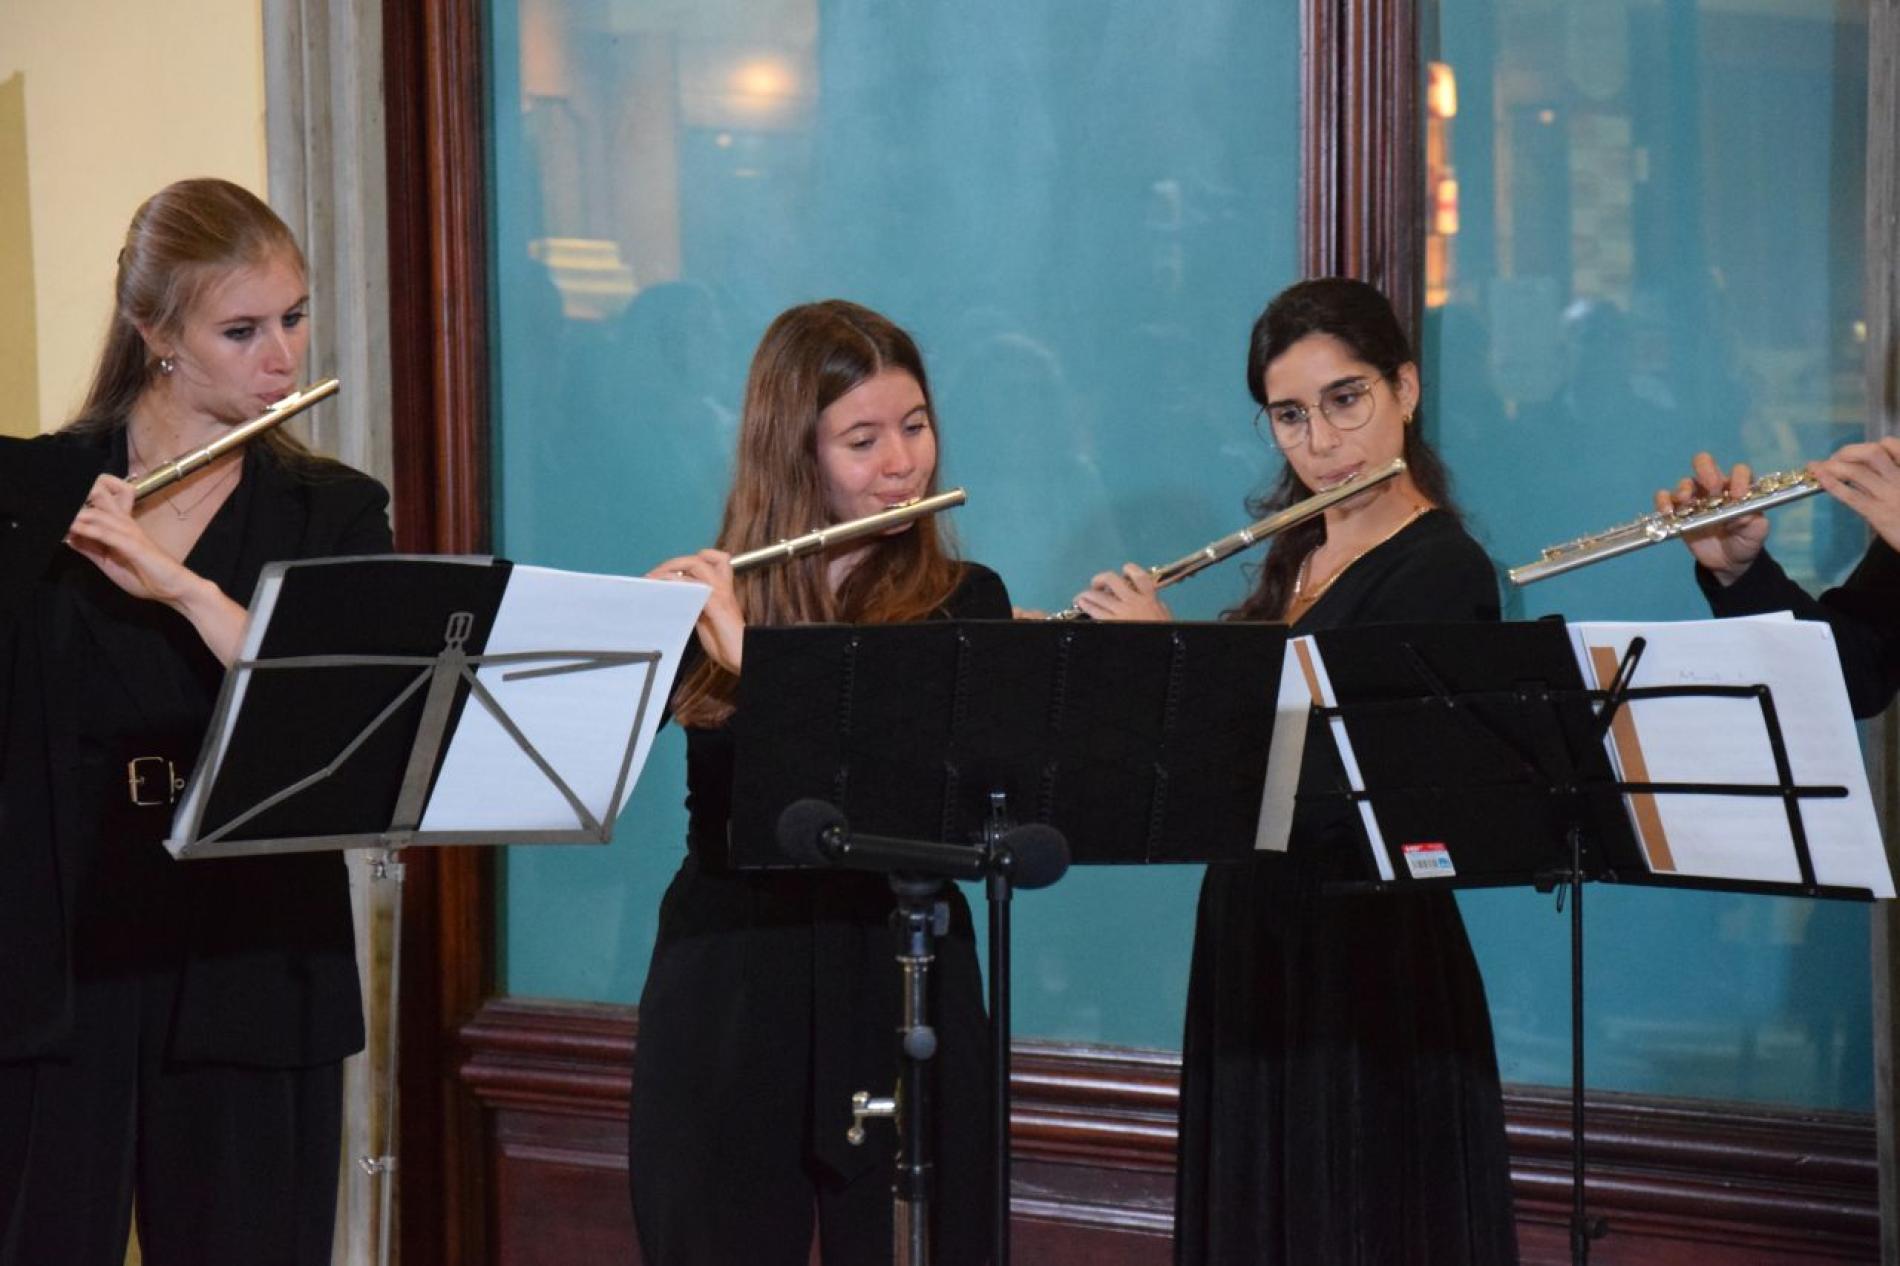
(1033, 855)
(815, 833)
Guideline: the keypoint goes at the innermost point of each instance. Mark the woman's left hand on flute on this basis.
(106, 532)
(1728, 548)
(721, 625)
(1128, 594)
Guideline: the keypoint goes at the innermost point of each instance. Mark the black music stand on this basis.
(1482, 761)
(1130, 739)
(388, 702)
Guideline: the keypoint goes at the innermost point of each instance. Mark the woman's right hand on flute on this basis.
(1865, 477)
(106, 531)
(1728, 548)
(721, 626)
(1128, 594)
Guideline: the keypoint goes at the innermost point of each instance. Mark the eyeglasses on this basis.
(1347, 406)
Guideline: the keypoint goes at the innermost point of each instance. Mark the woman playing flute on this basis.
(1339, 1099)
(773, 995)
(171, 1034)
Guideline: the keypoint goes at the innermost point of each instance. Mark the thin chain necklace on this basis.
(1300, 596)
(172, 503)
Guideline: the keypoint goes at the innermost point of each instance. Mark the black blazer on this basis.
(1863, 611)
(269, 973)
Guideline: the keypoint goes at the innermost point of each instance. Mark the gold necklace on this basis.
(1300, 596)
(133, 450)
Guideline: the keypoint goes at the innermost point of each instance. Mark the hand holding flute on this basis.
(1865, 477)
(721, 626)
(1727, 548)
(722, 623)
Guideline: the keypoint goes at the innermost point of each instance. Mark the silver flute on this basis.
(839, 533)
(1254, 533)
(1765, 493)
(179, 467)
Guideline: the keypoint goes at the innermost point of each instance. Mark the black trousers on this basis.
(231, 1166)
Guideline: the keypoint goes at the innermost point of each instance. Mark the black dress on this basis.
(1339, 1090)
(771, 998)
(1864, 612)
(178, 1027)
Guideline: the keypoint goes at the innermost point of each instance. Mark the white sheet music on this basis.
(1285, 751)
(1321, 691)
(1724, 741)
(487, 782)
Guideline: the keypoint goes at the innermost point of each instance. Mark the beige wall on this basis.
(101, 103)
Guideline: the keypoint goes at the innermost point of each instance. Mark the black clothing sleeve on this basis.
(1863, 612)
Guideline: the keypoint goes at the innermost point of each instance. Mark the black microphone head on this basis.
(1039, 855)
(802, 827)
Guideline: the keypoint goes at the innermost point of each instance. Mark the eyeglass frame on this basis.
(1270, 432)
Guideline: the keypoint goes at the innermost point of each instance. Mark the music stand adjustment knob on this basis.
(863, 1105)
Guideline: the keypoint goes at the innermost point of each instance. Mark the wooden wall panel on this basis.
(432, 59)
(1680, 1182)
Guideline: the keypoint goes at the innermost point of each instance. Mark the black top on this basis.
(1339, 1095)
(979, 595)
(1431, 571)
(1864, 612)
(770, 1000)
(90, 679)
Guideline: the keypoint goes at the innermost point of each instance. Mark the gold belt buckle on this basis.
(135, 780)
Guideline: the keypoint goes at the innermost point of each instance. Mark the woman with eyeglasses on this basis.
(1339, 1086)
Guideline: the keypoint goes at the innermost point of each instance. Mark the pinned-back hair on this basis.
(182, 240)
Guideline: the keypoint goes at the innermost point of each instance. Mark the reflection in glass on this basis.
(1655, 246)
(1078, 211)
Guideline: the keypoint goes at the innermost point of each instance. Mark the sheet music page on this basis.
(1286, 749)
(487, 781)
(1320, 691)
(1725, 741)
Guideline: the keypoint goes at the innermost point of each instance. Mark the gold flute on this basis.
(179, 467)
(1254, 533)
(839, 533)
(1764, 494)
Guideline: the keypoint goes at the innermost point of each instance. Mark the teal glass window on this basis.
(1645, 237)
(1078, 211)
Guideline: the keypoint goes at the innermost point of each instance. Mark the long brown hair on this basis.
(810, 356)
(1359, 316)
(182, 240)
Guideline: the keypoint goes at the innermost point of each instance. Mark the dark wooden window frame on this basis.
(1358, 216)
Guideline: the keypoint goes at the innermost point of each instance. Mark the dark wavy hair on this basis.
(1359, 316)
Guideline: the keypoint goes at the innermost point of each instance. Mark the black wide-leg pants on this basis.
(230, 1165)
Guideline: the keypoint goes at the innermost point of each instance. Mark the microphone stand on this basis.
(817, 833)
(922, 915)
(999, 890)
